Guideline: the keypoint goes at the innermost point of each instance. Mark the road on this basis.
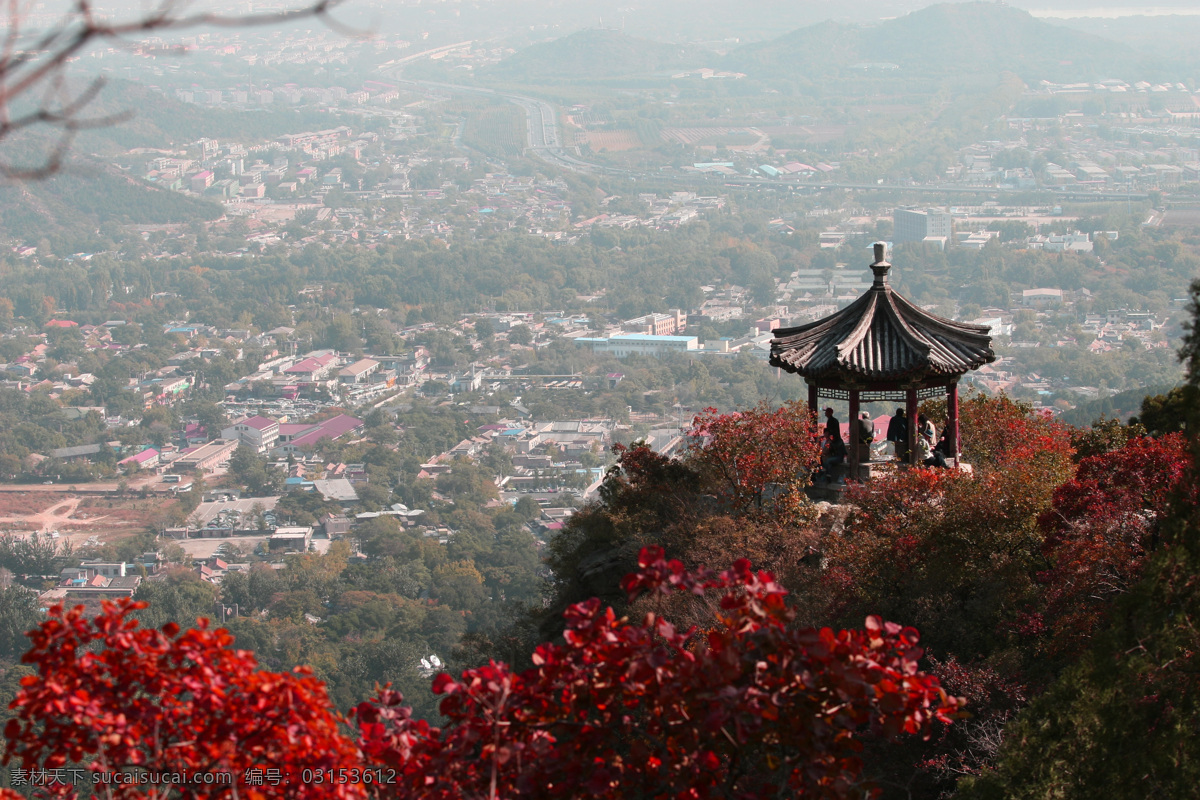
(399, 62)
(541, 121)
(57, 516)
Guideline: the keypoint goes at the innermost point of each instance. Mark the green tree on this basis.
(19, 612)
(1167, 413)
(458, 584)
(528, 508)
(250, 469)
(179, 597)
(484, 329)
(520, 335)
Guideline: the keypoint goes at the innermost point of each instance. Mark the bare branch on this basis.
(41, 67)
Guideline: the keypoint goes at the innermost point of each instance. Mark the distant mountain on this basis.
(598, 53)
(944, 40)
(1167, 38)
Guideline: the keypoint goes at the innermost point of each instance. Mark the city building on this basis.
(293, 540)
(359, 371)
(294, 437)
(338, 490)
(201, 181)
(312, 369)
(628, 344)
(205, 457)
(913, 225)
(1041, 297)
(257, 432)
(657, 324)
(147, 459)
(98, 580)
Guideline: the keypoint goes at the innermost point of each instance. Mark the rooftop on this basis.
(881, 337)
(258, 422)
(649, 337)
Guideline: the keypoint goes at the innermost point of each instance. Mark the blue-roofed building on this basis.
(627, 344)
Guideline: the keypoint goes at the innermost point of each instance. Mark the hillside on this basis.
(157, 120)
(86, 193)
(948, 39)
(76, 201)
(592, 54)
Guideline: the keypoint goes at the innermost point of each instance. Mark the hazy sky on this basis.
(519, 22)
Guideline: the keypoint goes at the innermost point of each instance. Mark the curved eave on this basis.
(881, 337)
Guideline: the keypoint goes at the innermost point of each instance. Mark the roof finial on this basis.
(881, 266)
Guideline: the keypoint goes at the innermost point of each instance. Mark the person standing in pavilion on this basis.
(866, 436)
(897, 434)
(833, 428)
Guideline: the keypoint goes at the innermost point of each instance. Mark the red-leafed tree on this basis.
(956, 555)
(999, 433)
(748, 708)
(737, 489)
(1099, 533)
(950, 551)
(114, 699)
(755, 455)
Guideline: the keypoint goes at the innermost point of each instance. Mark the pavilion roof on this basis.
(881, 337)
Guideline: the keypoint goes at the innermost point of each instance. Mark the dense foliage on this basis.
(1120, 720)
(115, 698)
(1020, 574)
(746, 706)
(1010, 571)
(759, 459)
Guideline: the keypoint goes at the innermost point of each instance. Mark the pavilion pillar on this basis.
(813, 412)
(910, 403)
(952, 420)
(852, 458)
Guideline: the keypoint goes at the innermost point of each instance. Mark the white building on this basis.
(913, 225)
(358, 372)
(1061, 243)
(257, 432)
(1041, 297)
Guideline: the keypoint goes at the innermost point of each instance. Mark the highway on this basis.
(541, 122)
(399, 62)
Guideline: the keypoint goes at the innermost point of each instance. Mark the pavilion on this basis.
(881, 347)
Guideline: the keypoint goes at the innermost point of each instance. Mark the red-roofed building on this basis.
(201, 181)
(147, 459)
(299, 437)
(195, 433)
(312, 369)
